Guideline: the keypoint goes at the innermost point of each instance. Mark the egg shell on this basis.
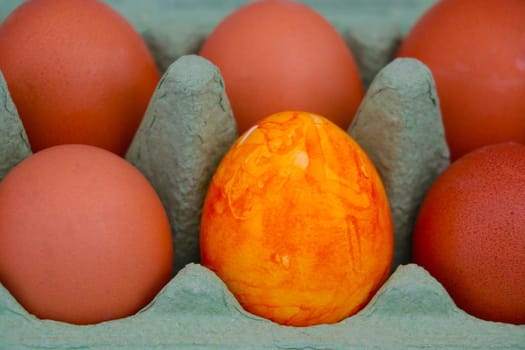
(470, 232)
(476, 53)
(84, 237)
(77, 71)
(296, 221)
(195, 310)
(280, 55)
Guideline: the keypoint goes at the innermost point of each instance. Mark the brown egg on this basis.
(278, 55)
(83, 236)
(476, 52)
(78, 72)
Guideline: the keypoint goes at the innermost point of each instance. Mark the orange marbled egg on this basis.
(296, 222)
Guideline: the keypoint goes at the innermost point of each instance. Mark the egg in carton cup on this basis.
(187, 129)
(398, 124)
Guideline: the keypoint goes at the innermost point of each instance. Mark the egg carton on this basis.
(187, 129)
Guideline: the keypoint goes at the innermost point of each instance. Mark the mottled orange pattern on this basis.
(296, 222)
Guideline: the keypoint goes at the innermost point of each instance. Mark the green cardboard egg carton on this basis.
(398, 124)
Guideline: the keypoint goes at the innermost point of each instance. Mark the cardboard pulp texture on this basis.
(14, 144)
(398, 124)
(186, 130)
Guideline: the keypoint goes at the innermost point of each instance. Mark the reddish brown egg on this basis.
(278, 55)
(470, 232)
(84, 237)
(78, 72)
